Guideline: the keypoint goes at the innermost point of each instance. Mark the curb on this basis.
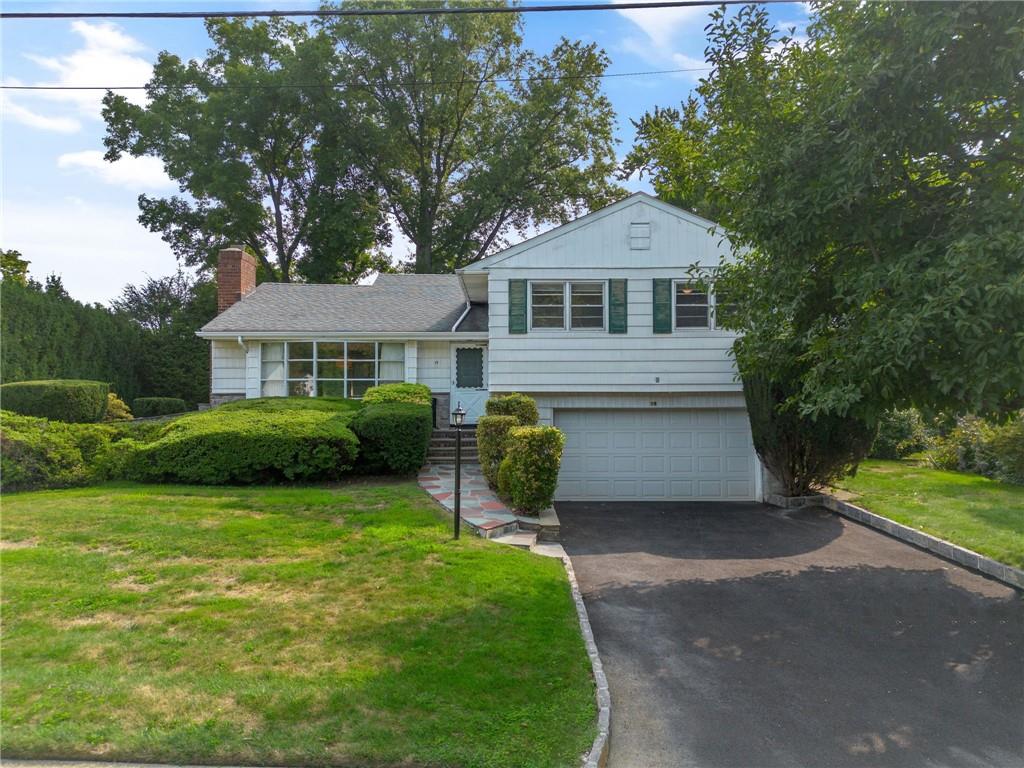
(1007, 574)
(597, 757)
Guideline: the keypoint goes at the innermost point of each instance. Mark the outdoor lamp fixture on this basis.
(458, 418)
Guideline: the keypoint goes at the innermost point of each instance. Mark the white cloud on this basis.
(106, 57)
(132, 172)
(661, 30)
(662, 25)
(19, 114)
(96, 249)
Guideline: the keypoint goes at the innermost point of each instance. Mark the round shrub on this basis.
(70, 400)
(158, 406)
(529, 472)
(393, 437)
(237, 446)
(117, 409)
(514, 404)
(491, 437)
(900, 433)
(397, 393)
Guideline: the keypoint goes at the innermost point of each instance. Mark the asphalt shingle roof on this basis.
(392, 304)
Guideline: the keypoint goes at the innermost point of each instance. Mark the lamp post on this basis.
(458, 417)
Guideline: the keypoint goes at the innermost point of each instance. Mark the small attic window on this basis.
(640, 236)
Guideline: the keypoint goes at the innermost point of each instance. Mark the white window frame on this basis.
(567, 306)
(711, 307)
(377, 360)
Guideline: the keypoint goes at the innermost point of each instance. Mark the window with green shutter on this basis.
(617, 306)
(517, 306)
(662, 305)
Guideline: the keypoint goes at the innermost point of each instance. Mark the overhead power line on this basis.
(328, 12)
(425, 83)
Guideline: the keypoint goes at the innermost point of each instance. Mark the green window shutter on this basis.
(662, 305)
(517, 306)
(617, 306)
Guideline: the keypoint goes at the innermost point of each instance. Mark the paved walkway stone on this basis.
(481, 508)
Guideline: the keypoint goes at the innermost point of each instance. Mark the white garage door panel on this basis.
(632, 455)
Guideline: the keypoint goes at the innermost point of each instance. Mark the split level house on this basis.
(599, 320)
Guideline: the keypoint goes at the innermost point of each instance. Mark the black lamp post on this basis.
(458, 417)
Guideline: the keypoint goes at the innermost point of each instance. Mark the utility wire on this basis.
(328, 12)
(425, 83)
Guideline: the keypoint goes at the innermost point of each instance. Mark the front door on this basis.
(469, 380)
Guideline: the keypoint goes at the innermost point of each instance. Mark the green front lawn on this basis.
(278, 626)
(970, 510)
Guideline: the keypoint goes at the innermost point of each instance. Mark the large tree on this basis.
(871, 180)
(173, 361)
(470, 137)
(255, 135)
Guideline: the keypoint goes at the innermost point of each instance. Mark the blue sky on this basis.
(71, 213)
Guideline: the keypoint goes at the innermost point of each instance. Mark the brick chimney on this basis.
(236, 276)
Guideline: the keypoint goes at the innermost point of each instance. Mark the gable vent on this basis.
(640, 236)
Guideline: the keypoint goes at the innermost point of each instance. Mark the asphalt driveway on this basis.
(744, 636)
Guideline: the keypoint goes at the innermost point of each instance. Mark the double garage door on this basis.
(656, 455)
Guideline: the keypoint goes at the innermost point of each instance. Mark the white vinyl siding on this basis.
(227, 368)
(687, 360)
(433, 365)
(561, 360)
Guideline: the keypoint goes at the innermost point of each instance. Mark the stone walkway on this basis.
(481, 508)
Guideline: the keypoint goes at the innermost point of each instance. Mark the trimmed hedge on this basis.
(393, 437)
(491, 440)
(529, 472)
(287, 404)
(397, 393)
(39, 453)
(71, 400)
(158, 406)
(248, 446)
(513, 404)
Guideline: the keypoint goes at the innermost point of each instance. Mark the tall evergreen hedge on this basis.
(51, 336)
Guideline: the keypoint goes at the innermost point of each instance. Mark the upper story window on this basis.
(586, 305)
(547, 305)
(573, 305)
(725, 308)
(692, 308)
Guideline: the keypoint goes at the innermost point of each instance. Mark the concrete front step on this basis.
(448, 457)
(449, 434)
(521, 540)
(545, 525)
(451, 444)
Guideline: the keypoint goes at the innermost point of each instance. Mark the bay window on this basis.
(329, 368)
